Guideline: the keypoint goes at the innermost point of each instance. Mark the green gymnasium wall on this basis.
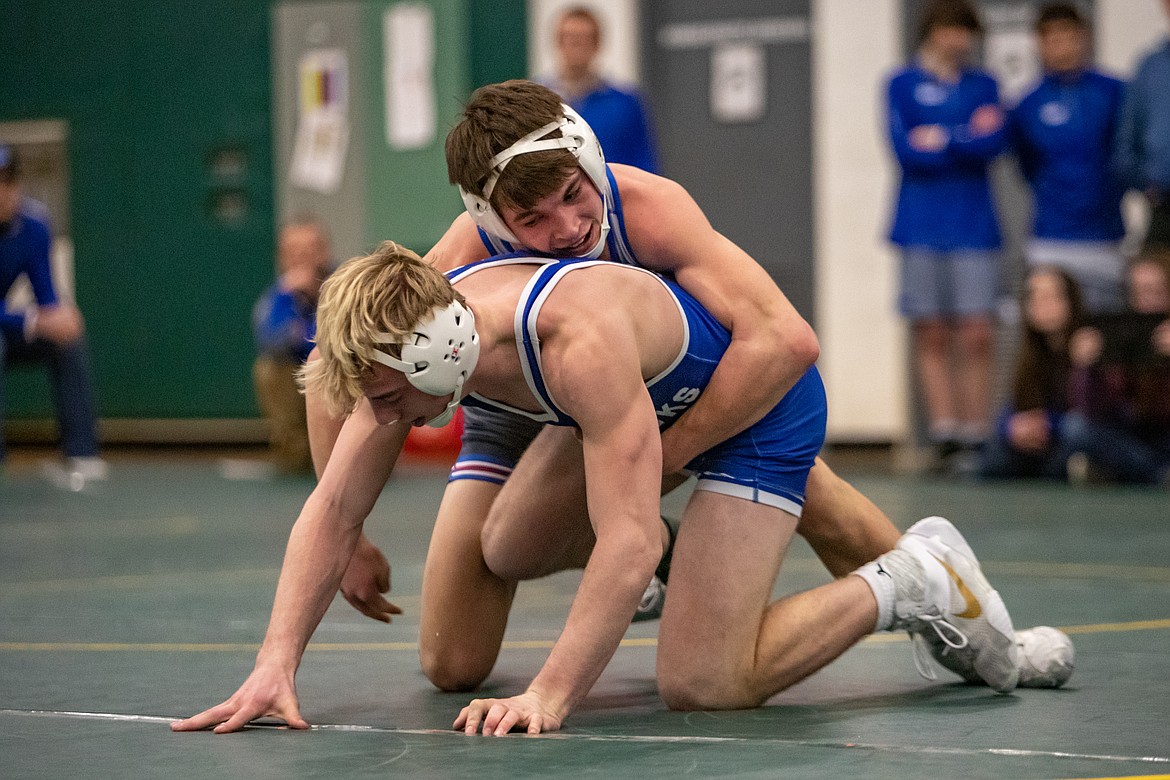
(151, 93)
(419, 203)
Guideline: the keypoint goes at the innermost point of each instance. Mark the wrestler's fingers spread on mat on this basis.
(209, 717)
(507, 723)
(243, 718)
(471, 715)
(494, 719)
(285, 709)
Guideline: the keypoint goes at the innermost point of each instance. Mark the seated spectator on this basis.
(1026, 442)
(284, 322)
(52, 331)
(1120, 426)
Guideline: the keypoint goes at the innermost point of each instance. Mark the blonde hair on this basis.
(387, 292)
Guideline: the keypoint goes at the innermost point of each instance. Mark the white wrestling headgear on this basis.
(576, 136)
(439, 357)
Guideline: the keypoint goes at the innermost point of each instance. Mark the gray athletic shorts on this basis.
(963, 282)
(493, 442)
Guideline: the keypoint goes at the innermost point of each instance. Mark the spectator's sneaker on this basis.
(1082, 471)
(650, 607)
(940, 588)
(73, 473)
(91, 468)
(1045, 655)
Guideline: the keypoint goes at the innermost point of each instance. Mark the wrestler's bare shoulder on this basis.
(637, 186)
(649, 200)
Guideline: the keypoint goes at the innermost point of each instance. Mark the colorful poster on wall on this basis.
(322, 134)
(324, 81)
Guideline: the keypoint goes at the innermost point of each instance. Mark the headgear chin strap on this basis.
(438, 357)
(576, 136)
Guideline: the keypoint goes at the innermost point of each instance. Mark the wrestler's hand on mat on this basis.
(268, 692)
(499, 716)
(366, 578)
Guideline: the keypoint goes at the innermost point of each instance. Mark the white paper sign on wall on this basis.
(409, 76)
(739, 87)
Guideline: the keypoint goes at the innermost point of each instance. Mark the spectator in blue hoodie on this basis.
(1143, 141)
(284, 322)
(51, 332)
(1063, 133)
(946, 127)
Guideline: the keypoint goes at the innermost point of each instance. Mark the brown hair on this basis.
(494, 118)
(585, 13)
(387, 292)
(9, 164)
(948, 13)
(1042, 370)
(1150, 386)
(1055, 13)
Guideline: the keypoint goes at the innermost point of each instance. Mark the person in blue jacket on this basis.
(617, 115)
(1063, 133)
(1143, 140)
(946, 127)
(284, 321)
(52, 331)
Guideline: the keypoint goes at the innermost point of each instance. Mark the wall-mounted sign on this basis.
(409, 77)
(322, 135)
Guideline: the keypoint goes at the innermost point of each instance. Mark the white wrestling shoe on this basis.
(650, 607)
(654, 597)
(940, 589)
(1045, 655)
(1046, 658)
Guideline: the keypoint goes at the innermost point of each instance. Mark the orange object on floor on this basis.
(436, 443)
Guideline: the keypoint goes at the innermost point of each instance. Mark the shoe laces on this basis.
(945, 630)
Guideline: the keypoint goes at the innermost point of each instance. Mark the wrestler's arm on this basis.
(771, 344)
(368, 575)
(597, 380)
(319, 548)
(460, 245)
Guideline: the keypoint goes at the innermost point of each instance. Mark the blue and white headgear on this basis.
(438, 356)
(576, 136)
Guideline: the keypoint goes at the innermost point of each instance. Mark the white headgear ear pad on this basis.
(588, 149)
(442, 352)
(576, 136)
(485, 216)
